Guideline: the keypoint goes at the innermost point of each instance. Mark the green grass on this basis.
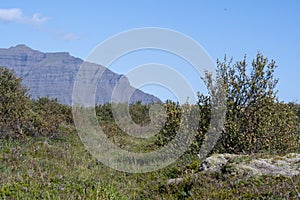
(49, 169)
(41, 168)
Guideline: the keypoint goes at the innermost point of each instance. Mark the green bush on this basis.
(48, 116)
(255, 120)
(171, 125)
(140, 113)
(21, 116)
(14, 105)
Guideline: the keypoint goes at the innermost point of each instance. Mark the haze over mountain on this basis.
(53, 75)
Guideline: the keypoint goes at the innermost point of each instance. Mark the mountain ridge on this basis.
(52, 74)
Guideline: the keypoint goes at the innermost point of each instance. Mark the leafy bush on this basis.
(48, 116)
(14, 105)
(140, 113)
(104, 113)
(172, 123)
(21, 116)
(255, 120)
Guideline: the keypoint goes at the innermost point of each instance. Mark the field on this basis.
(41, 168)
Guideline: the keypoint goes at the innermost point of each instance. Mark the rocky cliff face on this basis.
(53, 75)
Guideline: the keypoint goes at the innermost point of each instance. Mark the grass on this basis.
(51, 169)
(42, 168)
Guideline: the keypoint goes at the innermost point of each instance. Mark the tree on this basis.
(21, 116)
(255, 120)
(14, 104)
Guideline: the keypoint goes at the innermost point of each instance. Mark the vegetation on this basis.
(41, 156)
(50, 118)
(44, 168)
(14, 107)
(255, 120)
(21, 116)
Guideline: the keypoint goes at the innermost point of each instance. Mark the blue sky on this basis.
(233, 28)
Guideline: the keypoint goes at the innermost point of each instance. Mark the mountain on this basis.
(53, 75)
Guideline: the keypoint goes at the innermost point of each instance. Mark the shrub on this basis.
(255, 120)
(48, 116)
(171, 125)
(20, 116)
(14, 105)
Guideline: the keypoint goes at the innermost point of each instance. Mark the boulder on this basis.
(245, 165)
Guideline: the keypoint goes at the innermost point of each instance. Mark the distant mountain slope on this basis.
(53, 75)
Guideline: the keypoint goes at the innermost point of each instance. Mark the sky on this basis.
(234, 28)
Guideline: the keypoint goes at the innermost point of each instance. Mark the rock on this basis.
(174, 181)
(244, 165)
(215, 162)
(53, 75)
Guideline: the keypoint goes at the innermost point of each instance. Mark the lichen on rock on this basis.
(247, 165)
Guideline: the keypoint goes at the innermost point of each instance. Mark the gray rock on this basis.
(233, 164)
(53, 74)
(174, 181)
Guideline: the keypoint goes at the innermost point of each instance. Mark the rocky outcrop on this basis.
(245, 165)
(53, 75)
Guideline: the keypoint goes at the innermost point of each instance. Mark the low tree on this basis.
(21, 116)
(255, 120)
(14, 105)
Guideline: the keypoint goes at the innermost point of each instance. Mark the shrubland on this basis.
(42, 156)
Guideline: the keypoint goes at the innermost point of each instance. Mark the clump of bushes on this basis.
(20, 116)
(49, 116)
(255, 119)
(14, 106)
